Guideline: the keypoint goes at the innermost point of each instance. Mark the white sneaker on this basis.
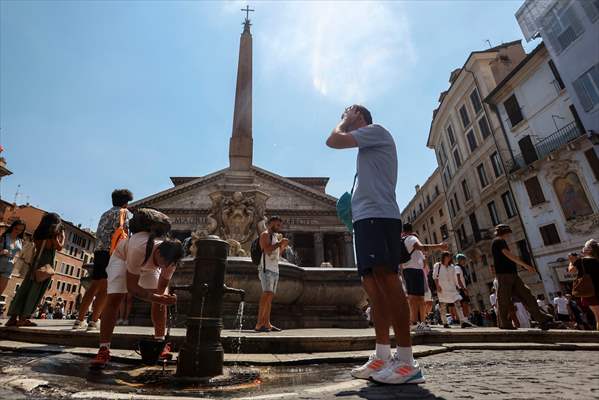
(119, 322)
(93, 326)
(372, 366)
(398, 372)
(79, 324)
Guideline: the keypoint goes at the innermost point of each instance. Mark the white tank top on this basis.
(271, 262)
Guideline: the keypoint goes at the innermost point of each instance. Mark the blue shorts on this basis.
(269, 280)
(378, 244)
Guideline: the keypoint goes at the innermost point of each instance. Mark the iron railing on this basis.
(548, 145)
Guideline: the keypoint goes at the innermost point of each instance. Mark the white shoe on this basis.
(399, 372)
(372, 366)
(79, 325)
(422, 327)
(119, 322)
(93, 326)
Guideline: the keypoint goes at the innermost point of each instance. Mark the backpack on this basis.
(120, 233)
(404, 255)
(257, 253)
(149, 220)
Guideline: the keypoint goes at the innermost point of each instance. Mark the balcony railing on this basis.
(547, 146)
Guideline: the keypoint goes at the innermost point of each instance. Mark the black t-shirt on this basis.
(503, 265)
(590, 266)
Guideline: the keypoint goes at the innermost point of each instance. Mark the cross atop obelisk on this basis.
(246, 23)
(241, 143)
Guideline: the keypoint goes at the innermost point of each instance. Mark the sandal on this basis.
(26, 323)
(11, 322)
(275, 329)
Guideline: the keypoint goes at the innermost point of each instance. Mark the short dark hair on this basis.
(407, 227)
(171, 250)
(274, 218)
(365, 113)
(120, 197)
(446, 254)
(559, 294)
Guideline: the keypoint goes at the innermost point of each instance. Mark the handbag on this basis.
(45, 271)
(583, 286)
(344, 208)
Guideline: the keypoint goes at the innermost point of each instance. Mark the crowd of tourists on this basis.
(135, 257)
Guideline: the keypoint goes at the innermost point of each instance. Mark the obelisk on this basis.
(241, 143)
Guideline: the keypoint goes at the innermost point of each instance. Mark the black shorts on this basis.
(377, 244)
(563, 317)
(101, 258)
(414, 280)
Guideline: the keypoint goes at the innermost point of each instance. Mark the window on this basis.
(450, 135)
(432, 221)
(471, 140)
(428, 199)
(457, 158)
(556, 75)
(591, 8)
(535, 193)
(452, 207)
(444, 232)
(587, 88)
(508, 203)
(476, 104)
(443, 152)
(593, 160)
(68, 287)
(512, 108)
(549, 234)
(464, 116)
(441, 213)
(496, 162)
(74, 289)
(482, 176)
(447, 176)
(485, 260)
(435, 237)
(483, 124)
(493, 213)
(475, 227)
(463, 235)
(561, 26)
(466, 190)
(436, 190)
(457, 203)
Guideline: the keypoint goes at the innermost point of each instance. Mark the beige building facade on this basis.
(429, 215)
(471, 153)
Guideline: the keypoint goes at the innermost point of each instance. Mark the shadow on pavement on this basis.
(382, 392)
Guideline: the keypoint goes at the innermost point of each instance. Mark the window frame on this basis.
(482, 176)
(480, 104)
(509, 205)
(466, 190)
(496, 164)
(464, 115)
(546, 235)
(471, 139)
(535, 198)
(493, 213)
(511, 106)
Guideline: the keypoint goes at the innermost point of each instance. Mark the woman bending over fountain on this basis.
(142, 266)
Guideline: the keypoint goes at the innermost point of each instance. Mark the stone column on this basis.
(318, 249)
(349, 250)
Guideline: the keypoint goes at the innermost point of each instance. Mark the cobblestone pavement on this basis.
(454, 375)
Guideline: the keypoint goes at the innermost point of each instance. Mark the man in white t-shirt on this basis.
(413, 274)
(561, 308)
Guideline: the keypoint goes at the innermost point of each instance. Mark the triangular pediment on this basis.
(284, 193)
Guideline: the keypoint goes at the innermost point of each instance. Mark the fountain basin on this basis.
(305, 298)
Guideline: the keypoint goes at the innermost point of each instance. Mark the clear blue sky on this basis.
(107, 94)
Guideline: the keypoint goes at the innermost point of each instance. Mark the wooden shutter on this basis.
(535, 192)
